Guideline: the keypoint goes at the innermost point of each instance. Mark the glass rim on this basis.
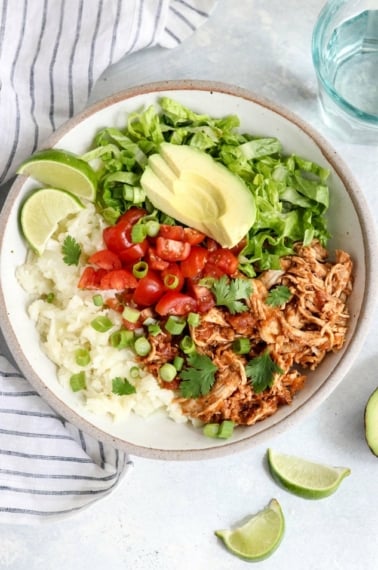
(323, 19)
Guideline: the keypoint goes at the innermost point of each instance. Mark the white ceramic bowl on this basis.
(350, 224)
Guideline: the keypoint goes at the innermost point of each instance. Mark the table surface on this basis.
(163, 515)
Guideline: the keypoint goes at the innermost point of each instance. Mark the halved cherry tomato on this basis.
(224, 259)
(203, 296)
(195, 262)
(172, 232)
(192, 236)
(134, 253)
(211, 270)
(148, 290)
(105, 259)
(118, 279)
(173, 277)
(118, 237)
(174, 303)
(171, 249)
(154, 261)
(91, 278)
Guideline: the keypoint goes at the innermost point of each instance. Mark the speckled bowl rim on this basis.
(355, 343)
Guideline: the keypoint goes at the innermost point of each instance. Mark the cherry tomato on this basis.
(134, 252)
(154, 261)
(148, 290)
(105, 259)
(203, 296)
(224, 259)
(173, 275)
(211, 270)
(195, 262)
(171, 249)
(118, 237)
(91, 278)
(118, 279)
(172, 232)
(192, 236)
(174, 303)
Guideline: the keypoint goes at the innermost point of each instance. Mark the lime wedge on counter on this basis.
(259, 537)
(61, 169)
(305, 478)
(371, 422)
(41, 213)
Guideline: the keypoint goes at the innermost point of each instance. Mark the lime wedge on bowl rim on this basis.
(259, 537)
(42, 212)
(305, 478)
(61, 169)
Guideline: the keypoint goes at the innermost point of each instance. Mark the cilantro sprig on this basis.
(122, 387)
(261, 371)
(232, 293)
(71, 251)
(198, 377)
(278, 296)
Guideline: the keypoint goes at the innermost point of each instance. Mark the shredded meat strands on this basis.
(298, 336)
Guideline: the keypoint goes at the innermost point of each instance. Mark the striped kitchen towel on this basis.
(53, 51)
(51, 54)
(48, 468)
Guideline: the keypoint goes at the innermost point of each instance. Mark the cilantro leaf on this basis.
(122, 387)
(231, 293)
(71, 251)
(261, 371)
(198, 378)
(278, 296)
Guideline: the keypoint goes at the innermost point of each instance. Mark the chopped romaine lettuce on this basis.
(291, 193)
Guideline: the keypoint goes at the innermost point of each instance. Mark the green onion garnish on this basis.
(98, 301)
(122, 338)
(178, 362)
(241, 345)
(171, 281)
(82, 357)
(187, 345)
(142, 346)
(167, 372)
(140, 269)
(77, 381)
(130, 314)
(101, 324)
(138, 233)
(193, 319)
(175, 325)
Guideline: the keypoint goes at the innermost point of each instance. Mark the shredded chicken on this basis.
(298, 335)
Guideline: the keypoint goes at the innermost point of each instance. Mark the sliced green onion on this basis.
(226, 429)
(82, 357)
(98, 300)
(171, 281)
(138, 233)
(134, 372)
(101, 324)
(154, 329)
(210, 430)
(142, 346)
(187, 345)
(178, 362)
(152, 228)
(175, 325)
(49, 297)
(140, 269)
(77, 381)
(167, 372)
(122, 338)
(130, 314)
(193, 319)
(241, 345)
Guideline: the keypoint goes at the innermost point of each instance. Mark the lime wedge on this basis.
(259, 537)
(305, 478)
(371, 422)
(61, 169)
(41, 213)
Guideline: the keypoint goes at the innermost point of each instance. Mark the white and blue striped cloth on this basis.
(51, 54)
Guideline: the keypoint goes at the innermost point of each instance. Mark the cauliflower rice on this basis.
(65, 326)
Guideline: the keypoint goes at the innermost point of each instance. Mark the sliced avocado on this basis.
(193, 188)
(371, 422)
